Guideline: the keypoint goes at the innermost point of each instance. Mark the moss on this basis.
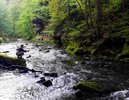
(88, 86)
(6, 60)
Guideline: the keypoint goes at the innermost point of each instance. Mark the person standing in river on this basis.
(20, 52)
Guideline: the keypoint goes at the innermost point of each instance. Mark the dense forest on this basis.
(81, 27)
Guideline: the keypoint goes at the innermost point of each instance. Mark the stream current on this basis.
(24, 86)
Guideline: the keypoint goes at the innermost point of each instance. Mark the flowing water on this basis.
(24, 86)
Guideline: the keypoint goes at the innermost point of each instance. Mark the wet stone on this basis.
(47, 83)
(40, 49)
(36, 76)
(51, 74)
(46, 51)
(28, 56)
(49, 47)
(42, 80)
(5, 52)
(78, 94)
(23, 71)
(127, 94)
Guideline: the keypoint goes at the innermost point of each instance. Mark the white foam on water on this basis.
(14, 86)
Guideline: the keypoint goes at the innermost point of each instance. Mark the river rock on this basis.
(40, 49)
(42, 80)
(20, 69)
(90, 89)
(48, 47)
(87, 89)
(8, 61)
(37, 45)
(36, 76)
(5, 52)
(47, 83)
(51, 74)
(90, 86)
(28, 56)
(23, 71)
(46, 51)
(78, 93)
(46, 74)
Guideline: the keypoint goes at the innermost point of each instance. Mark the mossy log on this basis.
(8, 61)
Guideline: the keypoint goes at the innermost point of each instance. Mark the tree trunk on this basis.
(86, 14)
(90, 13)
(123, 6)
(98, 18)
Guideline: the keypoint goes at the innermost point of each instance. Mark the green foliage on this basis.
(116, 3)
(17, 16)
(24, 22)
(125, 50)
(75, 33)
(72, 20)
(4, 19)
(72, 47)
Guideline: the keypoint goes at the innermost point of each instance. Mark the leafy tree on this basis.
(5, 26)
(24, 23)
(13, 9)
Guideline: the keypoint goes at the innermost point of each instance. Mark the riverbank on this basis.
(113, 43)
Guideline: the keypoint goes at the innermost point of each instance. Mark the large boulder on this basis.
(9, 61)
(90, 89)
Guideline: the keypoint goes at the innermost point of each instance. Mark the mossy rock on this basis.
(8, 61)
(97, 88)
(88, 86)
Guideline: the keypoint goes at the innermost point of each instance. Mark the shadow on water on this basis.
(17, 85)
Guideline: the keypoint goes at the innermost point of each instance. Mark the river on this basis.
(24, 86)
